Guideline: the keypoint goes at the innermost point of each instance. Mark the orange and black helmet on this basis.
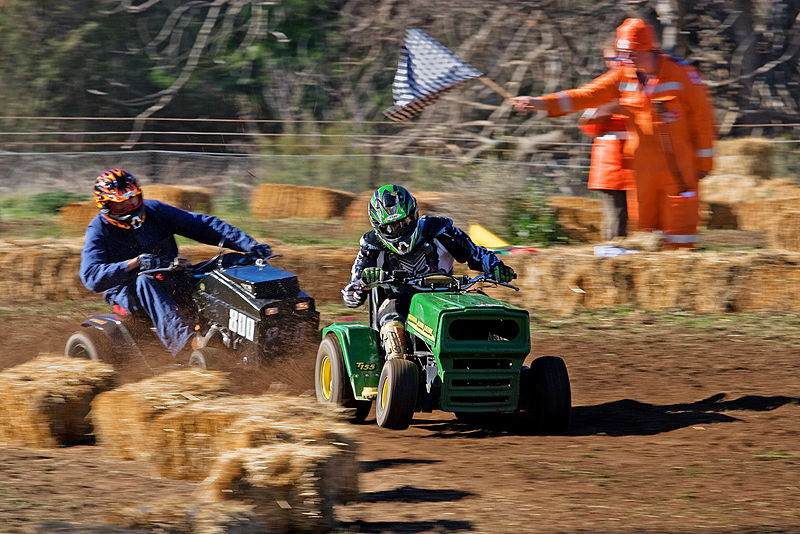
(119, 197)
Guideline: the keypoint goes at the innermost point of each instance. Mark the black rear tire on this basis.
(548, 396)
(90, 344)
(331, 383)
(207, 358)
(398, 387)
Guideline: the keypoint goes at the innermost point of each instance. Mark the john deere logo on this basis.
(423, 329)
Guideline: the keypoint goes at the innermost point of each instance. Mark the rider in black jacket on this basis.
(401, 239)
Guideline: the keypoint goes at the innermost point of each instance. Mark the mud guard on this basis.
(361, 356)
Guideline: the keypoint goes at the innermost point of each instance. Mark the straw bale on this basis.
(187, 197)
(665, 281)
(45, 402)
(580, 217)
(124, 419)
(189, 440)
(76, 216)
(772, 283)
(765, 214)
(785, 234)
(728, 188)
(718, 278)
(290, 485)
(748, 156)
(280, 201)
(177, 515)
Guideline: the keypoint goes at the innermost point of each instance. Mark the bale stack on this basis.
(39, 270)
(580, 217)
(124, 419)
(189, 440)
(280, 201)
(76, 216)
(747, 156)
(187, 197)
(179, 515)
(291, 486)
(45, 402)
(772, 284)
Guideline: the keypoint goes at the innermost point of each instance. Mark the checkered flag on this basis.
(426, 70)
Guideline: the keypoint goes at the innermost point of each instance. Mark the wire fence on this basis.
(63, 153)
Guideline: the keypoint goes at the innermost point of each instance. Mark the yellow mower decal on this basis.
(422, 329)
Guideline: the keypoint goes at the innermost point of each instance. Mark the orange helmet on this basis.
(636, 35)
(119, 197)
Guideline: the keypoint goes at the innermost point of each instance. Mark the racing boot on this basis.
(393, 335)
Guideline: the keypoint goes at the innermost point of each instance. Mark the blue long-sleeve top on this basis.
(107, 248)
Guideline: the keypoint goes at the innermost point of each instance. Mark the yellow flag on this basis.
(484, 238)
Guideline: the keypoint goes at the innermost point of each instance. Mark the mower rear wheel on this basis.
(90, 344)
(397, 394)
(331, 383)
(548, 406)
(207, 358)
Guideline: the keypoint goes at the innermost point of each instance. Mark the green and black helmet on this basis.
(393, 213)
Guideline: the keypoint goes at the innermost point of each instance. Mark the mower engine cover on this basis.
(264, 282)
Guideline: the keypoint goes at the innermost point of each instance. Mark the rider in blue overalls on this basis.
(131, 234)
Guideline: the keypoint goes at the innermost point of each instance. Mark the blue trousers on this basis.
(162, 301)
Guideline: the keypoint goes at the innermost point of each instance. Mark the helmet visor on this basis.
(399, 228)
(126, 206)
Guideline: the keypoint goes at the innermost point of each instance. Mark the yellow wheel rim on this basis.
(325, 378)
(384, 392)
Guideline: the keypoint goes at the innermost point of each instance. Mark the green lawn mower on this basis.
(464, 354)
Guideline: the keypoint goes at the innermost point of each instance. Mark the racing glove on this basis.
(503, 273)
(371, 275)
(261, 250)
(151, 261)
(352, 295)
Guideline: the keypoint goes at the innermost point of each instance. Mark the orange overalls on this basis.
(607, 171)
(667, 202)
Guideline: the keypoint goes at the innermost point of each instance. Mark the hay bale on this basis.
(45, 402)
(189, 440)
(291, 486)
(771, 283)
(728, 188)
(124, 419)
(785, 234)
(747, 156)
(765, 214)
(580, 217)
(76, 216)
(280, 201)
(176, 514)
(187, 197)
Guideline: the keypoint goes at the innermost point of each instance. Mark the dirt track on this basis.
(676, 429)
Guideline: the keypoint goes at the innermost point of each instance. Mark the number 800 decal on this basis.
(242, 324)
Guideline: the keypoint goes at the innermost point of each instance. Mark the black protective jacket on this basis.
(440, 245)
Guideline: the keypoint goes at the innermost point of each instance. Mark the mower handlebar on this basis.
(433, 282)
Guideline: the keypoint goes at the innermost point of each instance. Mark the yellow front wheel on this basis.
(398, 387)
(331, 382)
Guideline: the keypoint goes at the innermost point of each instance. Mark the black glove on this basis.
(151, 261)
(261, 250)
(353, 295)
(372, 274)
(503, 273)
